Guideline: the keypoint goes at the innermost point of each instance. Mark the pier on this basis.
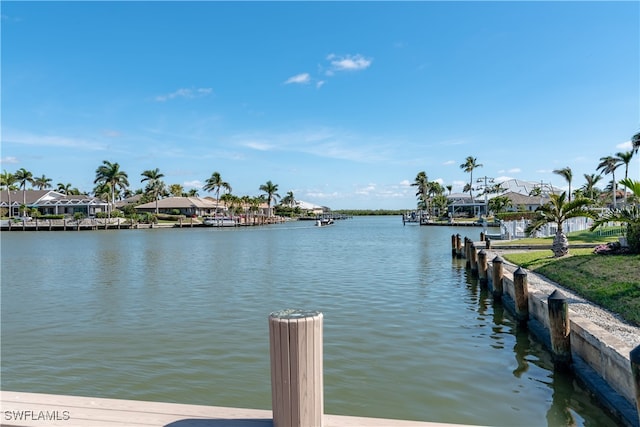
(37, 410)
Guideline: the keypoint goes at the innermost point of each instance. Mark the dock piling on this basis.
(559, 328)
(498, 274)
(295, 338)
(520, 286)
(482, 267)
(634, 357)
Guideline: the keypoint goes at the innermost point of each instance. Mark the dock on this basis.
(35, 410)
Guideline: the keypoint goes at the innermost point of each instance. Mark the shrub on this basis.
(633, 237)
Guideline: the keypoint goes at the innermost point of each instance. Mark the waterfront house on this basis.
(50, 202)
(195, 206)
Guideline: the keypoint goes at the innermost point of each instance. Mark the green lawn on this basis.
(611, 281)
(586, 236)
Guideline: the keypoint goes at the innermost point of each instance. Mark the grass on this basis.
(611, 281)
(585, 237)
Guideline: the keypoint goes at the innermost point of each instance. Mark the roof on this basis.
(181, 203)
(46, 197)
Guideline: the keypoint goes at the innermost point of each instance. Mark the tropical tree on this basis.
(567, 174)
(110, 174)
(421, 183)
(271, 192)
(7, 180)
(42, 182)
(557, 211)
(499, 204)
(608, 165)
(176, 190)
(23, 177)
(625, 158)
(629, 214)
(289, 199)
(215, 183)
(468, 166)
(155, 185)
(590, 186)
(449, 188)
(193, 192)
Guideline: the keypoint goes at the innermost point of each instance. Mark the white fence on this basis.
(516, 229)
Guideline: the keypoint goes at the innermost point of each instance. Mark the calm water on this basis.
(181, 316)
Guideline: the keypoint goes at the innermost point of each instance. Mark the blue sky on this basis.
(342, 103)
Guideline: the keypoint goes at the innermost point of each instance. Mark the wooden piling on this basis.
(498, 274)
(474, 259)
(634, 357)
(467, 253)
(458, 246)
(453, 245)
(482, 267)
(295, 338)
(520, 287)
(482, 236)
(559, 327)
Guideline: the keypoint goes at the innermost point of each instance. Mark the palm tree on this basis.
(468, 166)
(155, 185)
(7, 180)
(42, 182)
(191, 193)
(558, 211)
(63, 188)
(590, 185)
(499, 204)
(449, 187)
(628, 214)
(214, 183)
(625, 158)
(271, 190)
(110, 174)
(567, 174)
(421, 183)
(23, 176)
(176, 190)
(609, 164)
(289, 199)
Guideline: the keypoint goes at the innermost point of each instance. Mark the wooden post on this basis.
(482, 236)
(498, 274)
(458, 246)
(295, 338)
(634, 357)
(467, 253)
(520, 287)
(559, 327)
(482, 267)
(453, 245)
(474, 259)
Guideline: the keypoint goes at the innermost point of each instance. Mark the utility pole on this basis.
(486, 181)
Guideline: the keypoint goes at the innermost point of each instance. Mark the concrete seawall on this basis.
(600, 341)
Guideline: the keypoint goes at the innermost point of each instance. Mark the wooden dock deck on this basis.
(36, 410)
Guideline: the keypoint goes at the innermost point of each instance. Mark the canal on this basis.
(180, 315)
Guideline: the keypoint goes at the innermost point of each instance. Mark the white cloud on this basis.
(625, 146)
(50, 141)
(405, 183)
(185, 93)
(193, 184)
(514, 170)
(320, 83)
(260, 146)
(348, 62)
(8, 160)
(449, 162)
(303, 78)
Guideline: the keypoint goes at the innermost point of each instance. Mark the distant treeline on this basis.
(365, 212)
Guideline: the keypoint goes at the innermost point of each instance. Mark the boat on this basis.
(412, 217)
(323, 222)
(219, 221)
